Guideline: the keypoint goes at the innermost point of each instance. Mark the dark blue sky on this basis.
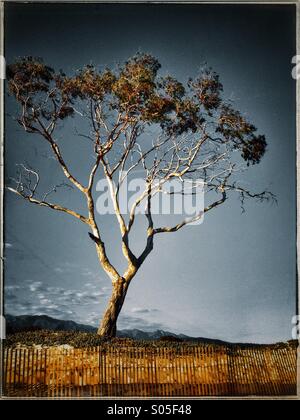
(234, 276)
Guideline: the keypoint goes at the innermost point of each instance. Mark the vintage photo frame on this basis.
(295, 61)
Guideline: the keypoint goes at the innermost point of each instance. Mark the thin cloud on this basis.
(59, 270)
(88, 273)
(143, 310)
(36, 286)
(10, 296)
(12, 287)
(130, 322)
(92, 319)
(79, 297)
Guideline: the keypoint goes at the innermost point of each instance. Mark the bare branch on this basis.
(55, 188)
(93, 173)
(150, 230)
(56, 150)
(101, 251)
(29, 173)
(50, 205)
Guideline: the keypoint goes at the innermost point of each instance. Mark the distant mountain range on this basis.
(23, 323)
(43, 322)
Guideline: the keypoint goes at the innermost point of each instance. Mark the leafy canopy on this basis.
(137, 91)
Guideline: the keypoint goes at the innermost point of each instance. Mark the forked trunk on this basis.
(108, 326)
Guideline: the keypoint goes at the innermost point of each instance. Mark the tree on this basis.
(195, 134)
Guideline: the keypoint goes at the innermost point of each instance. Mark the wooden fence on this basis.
(150, 371)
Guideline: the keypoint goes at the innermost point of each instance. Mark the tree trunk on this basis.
(108, 326)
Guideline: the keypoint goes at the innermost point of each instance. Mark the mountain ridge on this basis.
(24, 323)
